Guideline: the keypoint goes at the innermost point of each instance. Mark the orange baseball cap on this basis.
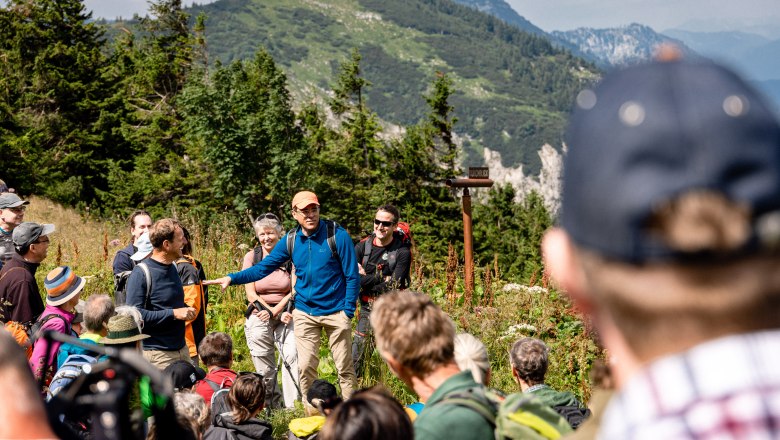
(304, 199)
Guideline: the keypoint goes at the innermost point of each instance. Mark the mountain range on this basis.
(513, 89)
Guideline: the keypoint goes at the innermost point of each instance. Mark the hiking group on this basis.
(667, 244)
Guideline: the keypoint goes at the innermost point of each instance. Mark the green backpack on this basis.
(517, 416)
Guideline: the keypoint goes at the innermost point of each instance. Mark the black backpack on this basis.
(120, 284)
(573, 414)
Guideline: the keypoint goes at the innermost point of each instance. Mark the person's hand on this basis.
(361, 271)
(286, 317)
(224, 282)
(262, 315)
(184, 313)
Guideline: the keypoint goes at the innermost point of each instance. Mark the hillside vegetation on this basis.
(512, 89)
(498, 313)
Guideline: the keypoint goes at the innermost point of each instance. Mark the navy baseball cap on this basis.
(650, 133)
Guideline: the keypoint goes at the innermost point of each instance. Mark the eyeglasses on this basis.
(40, 240)
(268, 216)
(307, 212)
(383, 223)
(18, 209)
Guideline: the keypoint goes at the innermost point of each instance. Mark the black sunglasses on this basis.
(383, 223)
(267, 216)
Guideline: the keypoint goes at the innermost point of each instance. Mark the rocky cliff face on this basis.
(618, 46)
(547, 183)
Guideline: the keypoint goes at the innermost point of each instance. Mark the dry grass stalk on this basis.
(487, 288)
(452, 275)
(105, 247)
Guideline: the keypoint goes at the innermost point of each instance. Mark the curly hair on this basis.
(529, 358)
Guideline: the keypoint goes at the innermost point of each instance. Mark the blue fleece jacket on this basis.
(323, 287)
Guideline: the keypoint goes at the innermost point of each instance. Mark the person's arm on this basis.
(193, 290)
(270, 263)
(136, 296)
(400, 274)
(349, 266)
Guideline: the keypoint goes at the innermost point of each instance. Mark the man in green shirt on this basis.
(416, 339)
(529, 359)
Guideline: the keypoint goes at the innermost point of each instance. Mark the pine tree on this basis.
(53, 91)
(242, 119)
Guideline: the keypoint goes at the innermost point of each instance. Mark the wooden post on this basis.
(478, 178)
(468, 244)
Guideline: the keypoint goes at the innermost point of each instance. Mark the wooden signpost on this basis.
(479, 177)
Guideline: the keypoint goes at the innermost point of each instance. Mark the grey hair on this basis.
(133, 312)
(471, 354)
(98, 310)
(264, 222)
(192, 406)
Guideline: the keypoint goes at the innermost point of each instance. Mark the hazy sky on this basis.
(701, 15)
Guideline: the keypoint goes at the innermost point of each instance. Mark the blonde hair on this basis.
(413, 330)
(471, 354)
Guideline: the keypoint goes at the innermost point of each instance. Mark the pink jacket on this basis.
(42, 346)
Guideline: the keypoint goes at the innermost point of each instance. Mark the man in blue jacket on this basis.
(327, 288)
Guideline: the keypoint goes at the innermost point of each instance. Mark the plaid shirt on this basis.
(728, 388)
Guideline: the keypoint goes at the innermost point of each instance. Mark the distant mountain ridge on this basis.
(620, 46)
(502, 10)
(513, 89)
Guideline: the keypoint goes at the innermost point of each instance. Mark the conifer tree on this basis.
(53, 89)
(242, 120)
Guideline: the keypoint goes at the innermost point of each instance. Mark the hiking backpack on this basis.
(73, 367)
(517, 416)
(120, 284)
(402, 233)
(219, 403)
(331, 225)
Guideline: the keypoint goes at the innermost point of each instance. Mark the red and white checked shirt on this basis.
(728, 388)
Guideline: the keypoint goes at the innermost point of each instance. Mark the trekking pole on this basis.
(283, 360)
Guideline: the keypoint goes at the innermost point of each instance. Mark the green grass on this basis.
(497, 319)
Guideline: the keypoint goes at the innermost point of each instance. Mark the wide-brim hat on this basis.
(121, 330)
(304, 199)
(11, 200)
(144, 246)
(62, 284)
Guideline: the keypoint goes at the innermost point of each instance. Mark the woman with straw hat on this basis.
(62, 294)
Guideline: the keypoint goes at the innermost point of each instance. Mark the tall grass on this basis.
(499, 312)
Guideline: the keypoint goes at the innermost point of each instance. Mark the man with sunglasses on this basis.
(384, 260)
(327, 286)
(11, 215)
(20, 299)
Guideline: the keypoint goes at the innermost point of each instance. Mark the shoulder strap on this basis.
(291, 240)
(369, 243)
(332, 225)
(257, 255)
(148, 276)
(471, 399)
(36, 328)
(213, 385)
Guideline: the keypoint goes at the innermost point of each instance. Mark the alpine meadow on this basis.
(217, 113)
